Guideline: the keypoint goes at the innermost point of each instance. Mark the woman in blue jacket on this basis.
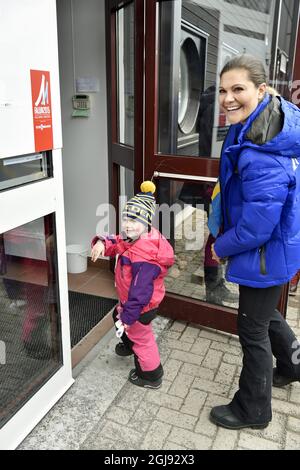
(260, 193)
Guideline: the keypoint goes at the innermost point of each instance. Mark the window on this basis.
(30, 336)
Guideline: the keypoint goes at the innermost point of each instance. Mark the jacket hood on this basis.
(154, 247)
(273, 127)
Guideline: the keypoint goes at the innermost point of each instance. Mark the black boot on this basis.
(224, 417)
(281, 380)
(216, 290)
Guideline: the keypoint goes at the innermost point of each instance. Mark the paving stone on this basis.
(197, 371)
(209, 386)
(200, 346)
(171, 369)
(233, 389)
(164, 353)
(204, 425)
(190, 334)
(178, 326)
(164, 399)
(132, 399)
(286, 408)
(178, 344)
(234, 341)
(292, 314)
(296, 330)
(172, 446)
(293, 424)
(280, 393)
(248, 441)
(214, 336)
(216, 400)
(172, 334)
(232, 359)
(193, 402)
(176, 418)
(225, 439)
(295, 393)
(181, 385)
(292, 441)
(119, 415)
(225, 373)
(143, 416)
(186, 357)
(212, 359)
(166, 384)
(226, 348)
(189, 439)
(103, 443)
(274, 432)
(115, 431)
(156, 436)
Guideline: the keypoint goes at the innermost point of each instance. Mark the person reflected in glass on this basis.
(260, 191)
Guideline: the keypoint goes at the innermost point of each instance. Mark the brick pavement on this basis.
(201, 370)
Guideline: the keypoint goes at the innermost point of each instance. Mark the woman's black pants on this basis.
(263, 332)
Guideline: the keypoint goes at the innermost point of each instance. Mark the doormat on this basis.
(85, 312)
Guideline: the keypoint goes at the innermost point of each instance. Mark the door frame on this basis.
(19, 206)
(120, 154)
(155, 165)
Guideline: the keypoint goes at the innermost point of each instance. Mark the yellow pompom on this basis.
(148, 187)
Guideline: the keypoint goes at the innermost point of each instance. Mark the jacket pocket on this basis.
(262, 258)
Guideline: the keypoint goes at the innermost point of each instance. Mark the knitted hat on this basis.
(142, 206)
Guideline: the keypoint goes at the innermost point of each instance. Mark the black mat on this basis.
(85, 312)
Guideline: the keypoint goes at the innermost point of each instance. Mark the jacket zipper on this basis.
(222, 202)
(262, 256)
(228, 216)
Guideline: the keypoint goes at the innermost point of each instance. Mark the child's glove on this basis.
(120, 328)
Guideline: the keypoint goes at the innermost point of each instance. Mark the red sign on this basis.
(41, 108)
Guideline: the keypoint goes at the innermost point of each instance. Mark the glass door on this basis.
(164, 58)
(187, 43)
(35, 359)
(124, 21)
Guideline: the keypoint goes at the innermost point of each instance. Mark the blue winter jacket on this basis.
(260, 188)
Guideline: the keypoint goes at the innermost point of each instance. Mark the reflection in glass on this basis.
(195, 274)
(196, 38)
(125, 74)
(183, 93)
(126, 186)
(30, 320)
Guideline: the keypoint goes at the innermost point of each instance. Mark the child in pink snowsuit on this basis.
(143, 258)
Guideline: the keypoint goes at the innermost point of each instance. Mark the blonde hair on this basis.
(272, 91)
(255, 68)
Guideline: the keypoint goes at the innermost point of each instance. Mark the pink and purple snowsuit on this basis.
(139, 274)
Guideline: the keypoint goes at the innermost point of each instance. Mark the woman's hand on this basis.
(214, 255)
(98, 250)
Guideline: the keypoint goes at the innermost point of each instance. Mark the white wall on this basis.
(85, 159)
(27, 41)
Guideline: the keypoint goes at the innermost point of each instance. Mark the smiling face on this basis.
(133, 228)
(238, 95)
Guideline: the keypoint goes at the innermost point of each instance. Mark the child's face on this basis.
(133, 228)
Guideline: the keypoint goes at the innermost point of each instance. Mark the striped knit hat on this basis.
(142, 206)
